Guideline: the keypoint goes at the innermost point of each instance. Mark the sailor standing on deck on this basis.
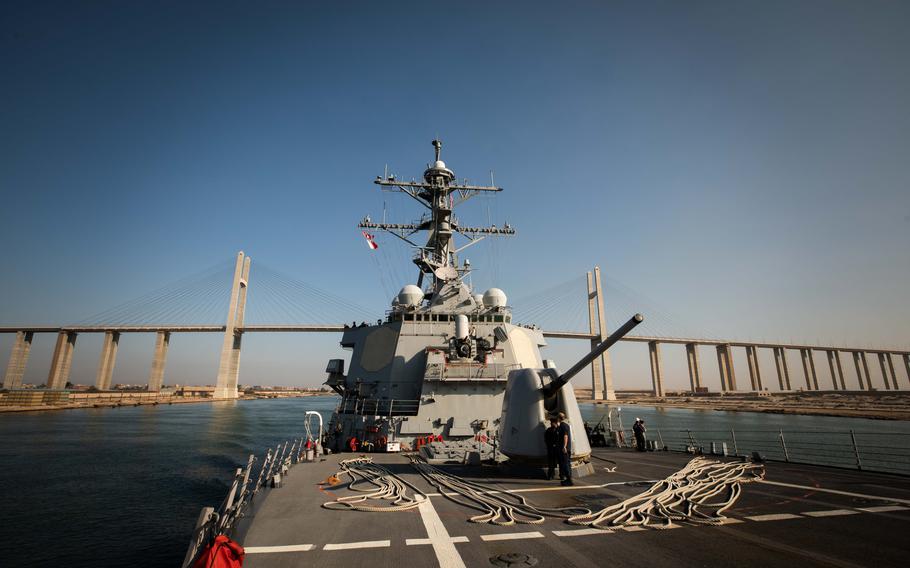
(639, 430)
(564, 445)
(549, 439)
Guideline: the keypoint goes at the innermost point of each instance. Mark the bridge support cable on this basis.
(193, 299)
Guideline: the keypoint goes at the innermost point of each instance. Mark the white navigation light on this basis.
(410, 296)
(494, 298)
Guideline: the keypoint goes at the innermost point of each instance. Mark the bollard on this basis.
(724, 449)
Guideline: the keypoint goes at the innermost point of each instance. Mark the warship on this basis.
(435, 454)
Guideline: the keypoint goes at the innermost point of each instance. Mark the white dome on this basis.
(494, 298)
(410, 296)
(478, 299)
(440, 165)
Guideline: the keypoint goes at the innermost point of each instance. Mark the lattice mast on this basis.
(440, 194)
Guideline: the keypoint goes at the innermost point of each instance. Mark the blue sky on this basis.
(739, 166)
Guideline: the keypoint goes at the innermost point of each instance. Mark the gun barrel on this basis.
(595, 353)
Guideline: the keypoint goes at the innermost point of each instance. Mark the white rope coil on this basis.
(381, 484)
(497, 507)
(698, 493)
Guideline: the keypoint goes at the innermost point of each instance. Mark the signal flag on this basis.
(370, 242)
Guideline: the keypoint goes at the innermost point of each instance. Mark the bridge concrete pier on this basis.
(884, 361)
(754, 370)
(107, 360)
(229, 364)
(694, 368)
(809, 369)
(862, 370)
(837, 371)
(783, 373)
(62, 361)
(597, 392)
(725, 366)
(890, 359)
(606, 364)
(18, 358)
(156, 375)
(657, 371)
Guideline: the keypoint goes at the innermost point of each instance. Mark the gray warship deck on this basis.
(814, 516)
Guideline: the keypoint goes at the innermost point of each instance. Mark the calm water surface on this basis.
(123, 486)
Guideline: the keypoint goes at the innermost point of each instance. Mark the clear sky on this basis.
(738, 167)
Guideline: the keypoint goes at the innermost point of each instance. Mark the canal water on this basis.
(123, 486)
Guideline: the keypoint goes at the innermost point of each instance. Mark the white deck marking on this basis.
(730, 521)
(831, 513)
(510, 536)
(581, 532)
(414, 541)
(774, 517)
(634, 528)
(287, 548)
(556, 488)
(836, 492)
(443, 544)
(883, 509)
(362, 544)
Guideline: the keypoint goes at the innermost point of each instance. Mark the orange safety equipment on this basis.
(223, 553)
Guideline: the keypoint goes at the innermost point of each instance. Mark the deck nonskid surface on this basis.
(811, 515)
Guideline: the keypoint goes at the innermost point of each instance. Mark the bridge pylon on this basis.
(229, 365)
(601, 367)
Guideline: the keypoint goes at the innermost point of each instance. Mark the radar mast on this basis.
(440, 194)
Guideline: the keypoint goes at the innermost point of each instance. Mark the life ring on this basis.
(353, 444)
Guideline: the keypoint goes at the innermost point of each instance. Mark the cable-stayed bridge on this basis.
(277, 303)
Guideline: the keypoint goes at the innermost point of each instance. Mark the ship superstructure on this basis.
(438, 363)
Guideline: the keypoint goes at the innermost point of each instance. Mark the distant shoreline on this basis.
(160, 401)
(876, 405)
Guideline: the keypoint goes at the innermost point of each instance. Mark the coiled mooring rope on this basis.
(497, 507)
(698, 493)
(383, 485)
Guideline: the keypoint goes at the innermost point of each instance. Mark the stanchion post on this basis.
(783, 444)
(859, 464)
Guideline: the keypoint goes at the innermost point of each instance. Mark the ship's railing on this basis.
(887, 452)
(468, 371)
(379, 407)
(244, 488)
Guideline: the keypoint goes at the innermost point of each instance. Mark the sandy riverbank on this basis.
(877, 405)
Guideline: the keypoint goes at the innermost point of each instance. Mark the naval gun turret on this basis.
(534, 394)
